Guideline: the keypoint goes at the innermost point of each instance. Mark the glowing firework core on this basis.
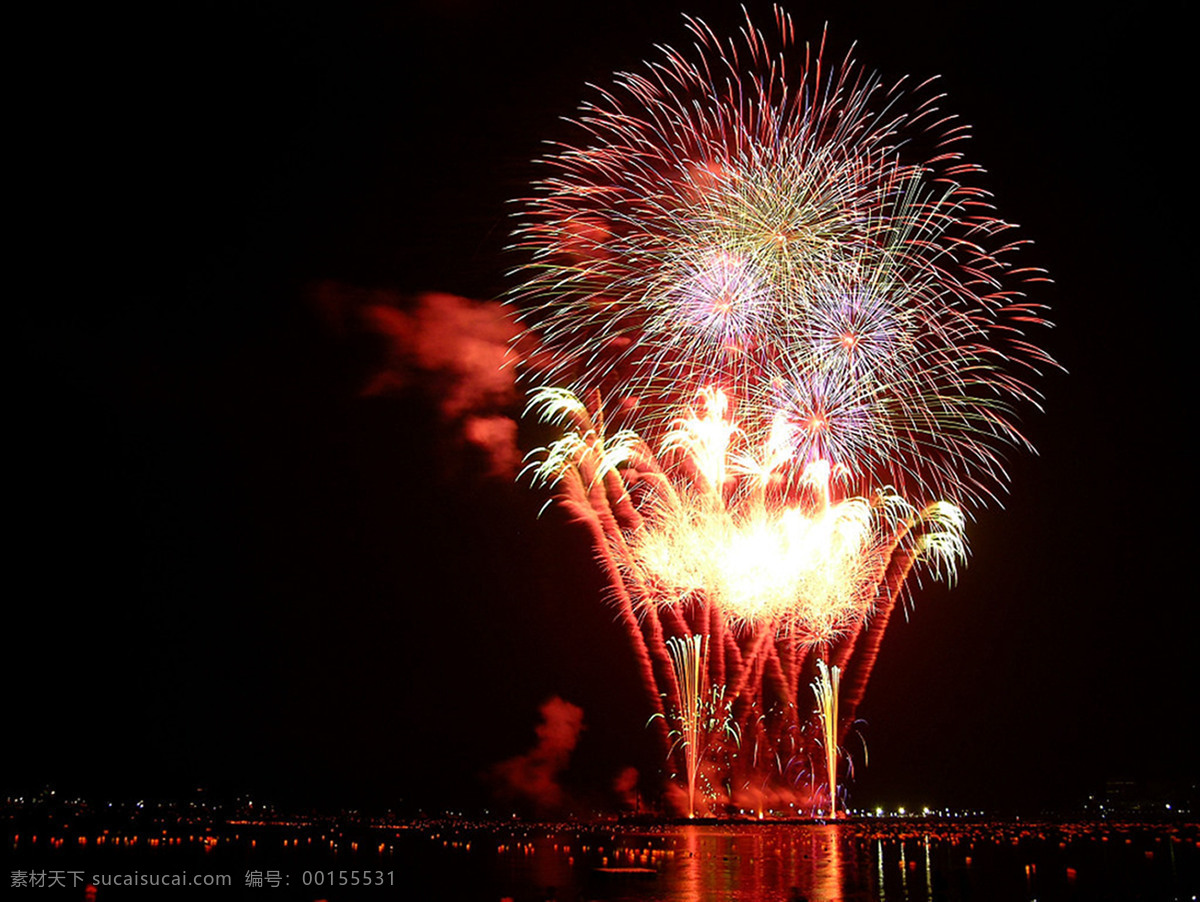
(809, 566)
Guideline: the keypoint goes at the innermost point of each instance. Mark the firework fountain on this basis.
(825, 688)
(786, 355)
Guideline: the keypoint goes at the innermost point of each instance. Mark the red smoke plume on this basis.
(533, 777)
(625, 785)
(449, 348)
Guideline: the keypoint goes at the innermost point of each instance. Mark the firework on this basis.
(802, 354)
(825, 689)
(747, 578)
(703, 717)
(689, 655)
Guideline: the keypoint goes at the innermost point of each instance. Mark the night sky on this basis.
(234, 568)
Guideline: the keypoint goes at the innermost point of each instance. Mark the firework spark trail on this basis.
(575, 466)
(825, 688)
(860, 655)
(690, 658)
(797, 334)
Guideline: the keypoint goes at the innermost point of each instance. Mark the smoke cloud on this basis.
(533, 777)
(625, 786)
(453, 350)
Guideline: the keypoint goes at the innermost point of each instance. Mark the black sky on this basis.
(231, 571)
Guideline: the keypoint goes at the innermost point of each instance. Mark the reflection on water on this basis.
(714, 862)
(847, 862)
(915, 860)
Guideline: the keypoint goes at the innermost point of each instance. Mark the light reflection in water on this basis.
(841, 862)
(692, 868)
(864, 861)
(772, 864)
(879, 868)
(827, 878)
(928, 872)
